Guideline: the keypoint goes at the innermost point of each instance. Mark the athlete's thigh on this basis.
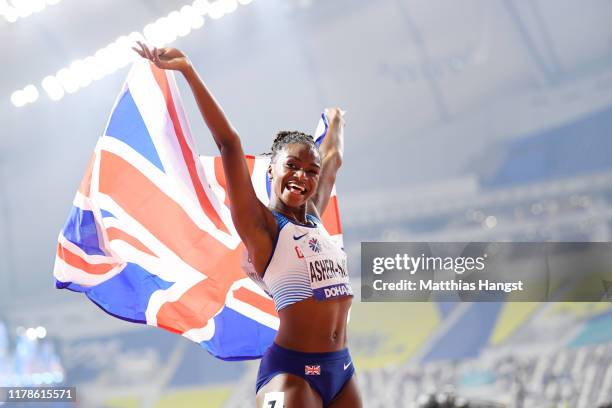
(297, 392)
(348, 397)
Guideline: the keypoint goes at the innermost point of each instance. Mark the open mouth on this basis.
(296, 188)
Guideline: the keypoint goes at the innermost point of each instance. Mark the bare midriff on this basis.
(313, 326)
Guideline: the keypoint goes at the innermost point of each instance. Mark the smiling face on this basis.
(295, 174)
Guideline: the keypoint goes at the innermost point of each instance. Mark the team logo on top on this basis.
(312, 369)
(314, 244)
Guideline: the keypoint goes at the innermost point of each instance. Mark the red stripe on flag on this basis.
(158, 213)
(220, 174)
(188, 156)
(262, 303)
(79, 263)
(331, 217)
(203, 300)
(115, 233)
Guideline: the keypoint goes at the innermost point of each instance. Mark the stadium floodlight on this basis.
(36, 378)
(490, 222)
(93, 68)
(31, 334)
(22, 97)
(100, 64)
(58, 376)
(23, 8)
(201, 6)
(216, 10)
(18, 98)
(53, 88)
(41, 332)
(179, 23)
(197, 22)
(80, 73)
(120, 53)
(150, 33)
(166, 30)
(37, 5)
(47, 378)
(8, 12)
(16, 9)
(191, 17)
(11, 16)
(105, 61)
(135, 36)
(229, 6)
(31, 93)
(67, 80)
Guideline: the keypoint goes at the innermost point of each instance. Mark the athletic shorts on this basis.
(327, 373)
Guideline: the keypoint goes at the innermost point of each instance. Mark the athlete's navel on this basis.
(334, 336)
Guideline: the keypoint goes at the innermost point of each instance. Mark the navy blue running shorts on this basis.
(327, 373)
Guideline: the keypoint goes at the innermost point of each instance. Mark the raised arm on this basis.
(332, 151)
(251, 218)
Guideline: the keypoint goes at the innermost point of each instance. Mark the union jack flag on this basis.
(150, 238)
(312, 370)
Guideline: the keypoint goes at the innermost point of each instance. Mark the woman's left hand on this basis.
(164, 58)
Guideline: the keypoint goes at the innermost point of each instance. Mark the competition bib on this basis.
(326, 265)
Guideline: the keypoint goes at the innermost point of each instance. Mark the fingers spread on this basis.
(139, 52)
(142, 47)
(145, 50)
(155, 54)
(149, 53)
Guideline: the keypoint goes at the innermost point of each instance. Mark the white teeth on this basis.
(296, 186)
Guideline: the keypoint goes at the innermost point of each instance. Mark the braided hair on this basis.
(286, 137)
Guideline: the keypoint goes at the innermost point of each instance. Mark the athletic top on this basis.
(305, 262)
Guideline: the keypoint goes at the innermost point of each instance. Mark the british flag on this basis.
(312, 369)
(150, 238)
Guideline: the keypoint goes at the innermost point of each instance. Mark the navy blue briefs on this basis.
(327, 373)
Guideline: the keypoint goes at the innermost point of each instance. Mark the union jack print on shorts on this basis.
(312, 369)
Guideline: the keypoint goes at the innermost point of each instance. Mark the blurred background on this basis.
(471, 120)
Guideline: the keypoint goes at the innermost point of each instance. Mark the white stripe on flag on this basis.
(247, 309)
(202, 334)
(258, 178)
(82, 202)
(68, 273)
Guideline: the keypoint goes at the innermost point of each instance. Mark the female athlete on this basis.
(290, 255)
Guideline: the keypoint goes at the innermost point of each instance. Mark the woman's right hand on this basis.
(335, 115)
(164, 58)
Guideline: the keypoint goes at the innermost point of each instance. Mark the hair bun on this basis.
(285, 137)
